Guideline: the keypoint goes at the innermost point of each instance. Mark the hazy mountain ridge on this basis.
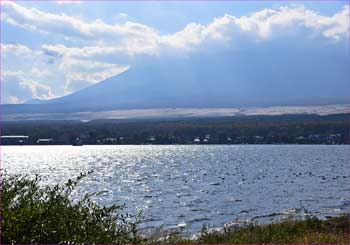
(210, 81)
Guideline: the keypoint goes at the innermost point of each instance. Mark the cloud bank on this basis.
(93, 50)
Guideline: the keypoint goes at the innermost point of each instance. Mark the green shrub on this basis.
(36, 214)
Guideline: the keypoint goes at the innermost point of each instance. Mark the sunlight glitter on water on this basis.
(196, 185)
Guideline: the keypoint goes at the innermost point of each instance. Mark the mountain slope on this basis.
(236, 79)
(224, 81)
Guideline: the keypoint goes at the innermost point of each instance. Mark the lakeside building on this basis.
(14, 139)
(110, 140)
(44, 141)
(197, 140)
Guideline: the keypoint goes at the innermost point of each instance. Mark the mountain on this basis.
(35, 101)
(232, 79)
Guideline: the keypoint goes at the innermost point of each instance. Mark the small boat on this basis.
(77, 142)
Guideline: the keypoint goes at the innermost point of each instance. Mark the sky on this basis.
(54, 48)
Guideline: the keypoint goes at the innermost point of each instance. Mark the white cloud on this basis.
(82, 73)
(17, 88)
(79, 65)
(135, 38)
(16, 49)
(35, 72)
(37, 90)
(27, 73)
(339, 24)
(123, 15)
(68, 2)
(93, 51)
(192, 34)
(76, 80)
(13, 100)
(262, 25)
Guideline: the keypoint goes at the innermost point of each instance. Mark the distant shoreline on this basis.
(296, 129)
(184, 145)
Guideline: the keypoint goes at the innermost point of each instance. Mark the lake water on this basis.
(194, 185)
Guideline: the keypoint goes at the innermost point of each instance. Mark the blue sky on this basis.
(50, 49)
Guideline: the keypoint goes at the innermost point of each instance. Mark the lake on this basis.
(193, 185)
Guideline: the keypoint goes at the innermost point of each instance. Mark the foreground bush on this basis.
(47, 215)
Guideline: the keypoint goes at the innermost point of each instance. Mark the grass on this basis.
(333, 230)
(33, 213)
(311, 230)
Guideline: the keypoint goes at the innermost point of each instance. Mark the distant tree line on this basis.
(281, 129)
